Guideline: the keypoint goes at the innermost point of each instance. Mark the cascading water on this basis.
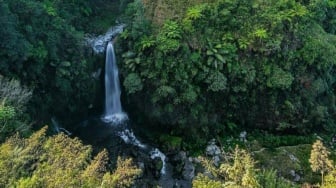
(129, 138)
(113, 109)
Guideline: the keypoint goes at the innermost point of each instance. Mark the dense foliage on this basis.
(218, 64)
(13, 114)
(237, 171)
(42, 46)
(59, 161)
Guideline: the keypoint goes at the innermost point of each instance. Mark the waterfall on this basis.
(113, 109)
(114, 114)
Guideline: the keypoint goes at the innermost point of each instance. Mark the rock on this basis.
(208, 174)
(293, 158)
(98, 43)
(188, 171)
(180, 156)
(212, 149)
(156, 167)
(216, 161)
(296, 177)
(141, 165)
(196, 160)
(292, 172)
(242, 136)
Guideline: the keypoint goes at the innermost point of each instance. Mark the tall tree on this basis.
(319, 159)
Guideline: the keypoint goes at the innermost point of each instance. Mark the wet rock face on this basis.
(180, 168)
(155, 167)
(98, 43)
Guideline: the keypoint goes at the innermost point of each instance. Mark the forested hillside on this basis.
(256, 78)
(209, 65)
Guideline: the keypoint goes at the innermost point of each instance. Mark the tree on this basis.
(239, 171)
(319, 159)
(123, 176)
(43, 47)
(59, 161)
(330, 179)
(13, 101)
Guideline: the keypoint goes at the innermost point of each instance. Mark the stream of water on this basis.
(113, 109)
(112, 130)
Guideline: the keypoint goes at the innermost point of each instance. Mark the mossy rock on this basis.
(286, 159)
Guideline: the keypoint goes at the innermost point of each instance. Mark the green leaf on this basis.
(209, 52)
(220, 58)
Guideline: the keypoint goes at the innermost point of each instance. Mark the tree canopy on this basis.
(59, 161)
(257, 64)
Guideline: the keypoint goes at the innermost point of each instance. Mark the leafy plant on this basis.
(270, 179)
(133, 83)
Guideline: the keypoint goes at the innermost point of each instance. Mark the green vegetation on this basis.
(257, 64)
(192, 70)
(286, 160)
(13, 114)
(42, 46)
(59, 161)
(319, 159)
(238, 171)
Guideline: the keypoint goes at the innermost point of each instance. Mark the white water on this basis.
(129, 138)
(157, 153)
(113, 109)
(98, 43)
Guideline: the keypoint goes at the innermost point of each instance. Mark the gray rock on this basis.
(212, 149)
(296, 177)
(293, 158)
(196, 160)
(188, 171)
(216, 160)
(98, 43)
(242, 136)
(182, 155)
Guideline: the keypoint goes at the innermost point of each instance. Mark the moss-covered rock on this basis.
(291, 162)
